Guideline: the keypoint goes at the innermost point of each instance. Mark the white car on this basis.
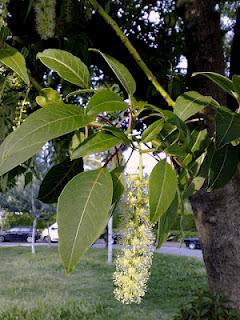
(51, 233)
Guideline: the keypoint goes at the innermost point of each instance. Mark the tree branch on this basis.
(133, 52)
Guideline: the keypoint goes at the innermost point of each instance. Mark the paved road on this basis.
(180, 251)
(167, 248)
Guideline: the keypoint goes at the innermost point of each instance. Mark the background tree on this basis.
(217, 213)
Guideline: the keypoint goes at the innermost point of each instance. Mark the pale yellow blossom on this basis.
(45, 11)
(133, 262)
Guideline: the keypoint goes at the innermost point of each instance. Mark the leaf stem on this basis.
(80, 91)
(133, 52)
(35, 84)
(182, 213)
(117, 149)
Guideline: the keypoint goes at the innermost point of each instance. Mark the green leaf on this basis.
(28, 178)
(9, 179)
(98, 142)
(14, 60)
(118, 187)
(201, 166)
(41, 126)
(49, 97)
(173, 119)
(117, 133)
(176, 151)
(201, 143)
(152, 131)
(223, 82)
(193, 187)
(105, 100)
(227, 126)
(198, 164)
(190, 103)
(236, 84)
(162, 189)
(5, 33)
(183, 133)
(121, 72)
(223, 166)
(169, 134)
(56, 179)
(67, 66)
(166, 221)
(82, 213)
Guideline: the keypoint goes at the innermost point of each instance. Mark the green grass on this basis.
(37, 288)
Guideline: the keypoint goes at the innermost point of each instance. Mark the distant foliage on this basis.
(207, 306)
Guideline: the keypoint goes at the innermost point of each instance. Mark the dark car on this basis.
(18, 234)
(192, 243)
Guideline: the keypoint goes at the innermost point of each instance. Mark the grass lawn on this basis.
(36, 287)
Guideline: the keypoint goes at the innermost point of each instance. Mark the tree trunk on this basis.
(217, 213)
(203, 44)
(234, 61)
(218, 223)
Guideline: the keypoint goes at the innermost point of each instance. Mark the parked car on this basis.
(192, 243)
(117, 236)
(18, 234)
(50, 234)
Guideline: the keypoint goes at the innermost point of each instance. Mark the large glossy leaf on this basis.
(118, 187)
(201, 142)
(98, 142)
(223, 166)
(176, 150)
(117, 133)
(223, 82)
(172, 119)
(152, 131)
(68, 66)
(190, 103)
(41, 126)
(198, 164)
(166, 221)
(9, 179)
(121, 72)
(82, 213)
(162, 189)
(105, 101)
(227, 126)
(56, 179)
(14, 60)
(193, 187)
(236, 84)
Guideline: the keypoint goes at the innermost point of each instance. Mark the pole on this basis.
(110, 240)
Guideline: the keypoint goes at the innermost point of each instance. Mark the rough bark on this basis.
(234, 61)
(218, 223)
(217, 213)
(203, 43)
(235, 49)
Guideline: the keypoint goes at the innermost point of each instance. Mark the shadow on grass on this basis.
(37, 288)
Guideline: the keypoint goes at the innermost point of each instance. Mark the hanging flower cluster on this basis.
(68, 8)
(45, 18)
(3, 12)
(20, 113)
(15, 82)
(135, 259)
